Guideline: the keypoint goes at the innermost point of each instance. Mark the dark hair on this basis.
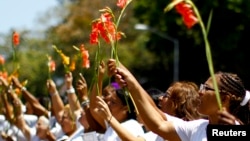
(155, 94)
(126, 100)
(232, 84)
(45, 102)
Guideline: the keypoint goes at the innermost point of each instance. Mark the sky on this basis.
(22, 14)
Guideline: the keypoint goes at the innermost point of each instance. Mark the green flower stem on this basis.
(14, 56)
(208, 54)
(123, 9)
(115, 49)
(96, 71)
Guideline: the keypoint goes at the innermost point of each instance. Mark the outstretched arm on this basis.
(37, 107)
(121, 131)
(19, 118)
(73, 100)
(57, 103)
(97, 89)
(147, 109)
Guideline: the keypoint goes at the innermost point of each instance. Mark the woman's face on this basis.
(166, 104)
(116, 107)
(208, 104)
(41, 129)
(67, 123)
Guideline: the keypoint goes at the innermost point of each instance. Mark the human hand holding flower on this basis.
(103, 109)
(68, 79)
(226, 118)
(51, 86)
(82, 88)
(189, 12)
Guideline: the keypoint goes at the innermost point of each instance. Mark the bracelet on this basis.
(23, 89)
(110, 120)
(53, 94)
(85, 103)
(70, 91)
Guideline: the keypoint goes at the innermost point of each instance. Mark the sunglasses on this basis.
(204, 87)
(167, 95)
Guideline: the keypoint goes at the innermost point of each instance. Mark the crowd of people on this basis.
(121, 110)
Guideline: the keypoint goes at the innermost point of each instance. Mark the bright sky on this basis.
(18, 14)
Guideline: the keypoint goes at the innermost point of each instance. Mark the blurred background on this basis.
(158, 48)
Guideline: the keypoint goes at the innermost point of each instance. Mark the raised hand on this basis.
(103, 109)
(51, 87)
(68, 79)
(3, 82)
(16, 82)
(226, 118)
(82, 88)
(102, 69)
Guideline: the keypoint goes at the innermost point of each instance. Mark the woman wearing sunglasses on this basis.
(233, 94)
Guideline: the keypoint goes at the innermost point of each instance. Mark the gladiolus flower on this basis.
(105, 28)
(66, 59)
(72, 66)
(2, 60)
(121, 3)
(85, 57)
(4, 74)
(52, 65)
(187, 13)
(15, 38)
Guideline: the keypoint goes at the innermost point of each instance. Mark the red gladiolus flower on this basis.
(85, 57)
(15, 38)
(52, 65)
(187, 13)
(105, 28)
(4, 74)
(2, 60)
(94, 38)
(121, 3)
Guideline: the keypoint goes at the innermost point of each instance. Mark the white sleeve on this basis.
(30, 120)
(134, 127)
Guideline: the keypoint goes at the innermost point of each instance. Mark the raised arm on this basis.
(57, 103)
(4, 96)
(37, 107)
(97, 89)
(121, 131)
(72, 97)
(19, 118)
(150, 116)
(89, 122)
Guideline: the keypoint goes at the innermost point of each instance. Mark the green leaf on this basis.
(209, 21)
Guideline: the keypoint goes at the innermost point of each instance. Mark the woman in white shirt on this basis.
(114, 108)
(121, 121)
(232, 91)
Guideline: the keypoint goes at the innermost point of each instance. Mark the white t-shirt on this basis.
(16, 134)
(30, 120)
(149, 136)
(192, 130)
(131, 125)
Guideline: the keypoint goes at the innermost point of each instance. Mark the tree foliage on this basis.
(149, 56)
